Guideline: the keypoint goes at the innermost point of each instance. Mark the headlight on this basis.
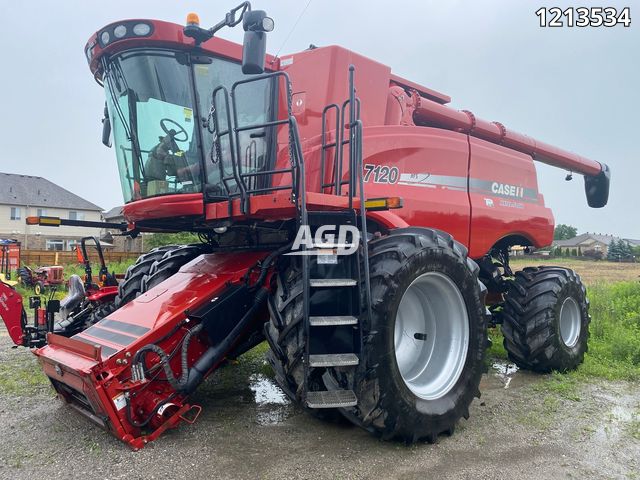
(267, 24)
(142, 29)
(120, 31)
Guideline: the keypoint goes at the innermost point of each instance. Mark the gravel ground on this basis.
(521, 428)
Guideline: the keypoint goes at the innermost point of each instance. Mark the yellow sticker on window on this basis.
(202, 69)
(188, 114)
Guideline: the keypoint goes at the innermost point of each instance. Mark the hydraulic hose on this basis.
(176, 383)
(264, 265)
(190, 378)
(214, 354)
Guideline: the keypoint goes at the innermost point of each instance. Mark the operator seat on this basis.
(68, 305)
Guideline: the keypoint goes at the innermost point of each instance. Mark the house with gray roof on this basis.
(591, 241)
(122, 243)
(22, 196)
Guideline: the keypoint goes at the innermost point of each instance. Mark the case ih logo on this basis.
(505, 189)
(325, 238)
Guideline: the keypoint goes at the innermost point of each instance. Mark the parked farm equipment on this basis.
(41, 279)
(89, 299)
(362, 232)
(7, 247)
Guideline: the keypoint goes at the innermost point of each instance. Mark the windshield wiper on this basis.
(114, 98)
(118, 83)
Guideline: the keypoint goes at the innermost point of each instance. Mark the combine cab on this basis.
(347, 216)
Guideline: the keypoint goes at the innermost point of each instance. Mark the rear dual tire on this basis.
(546, 319)
(153, 268)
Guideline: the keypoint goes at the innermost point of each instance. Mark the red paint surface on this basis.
(11, 312)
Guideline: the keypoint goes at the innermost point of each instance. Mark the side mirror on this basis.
(106, 128)
(597, 187)
(256, 24)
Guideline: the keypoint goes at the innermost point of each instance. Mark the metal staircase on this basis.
(338, 285)
(335, 287)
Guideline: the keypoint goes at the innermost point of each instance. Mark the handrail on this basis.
(216, 144)
(326, 146)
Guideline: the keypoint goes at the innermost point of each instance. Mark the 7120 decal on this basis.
(381, 173)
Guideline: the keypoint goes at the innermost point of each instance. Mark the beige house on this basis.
(586, 242)
(22, 196)
(121, 243)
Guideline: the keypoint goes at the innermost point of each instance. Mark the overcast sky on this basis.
(577, 88)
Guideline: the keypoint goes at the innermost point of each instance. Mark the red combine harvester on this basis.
(360, 226)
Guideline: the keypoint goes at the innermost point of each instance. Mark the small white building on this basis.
(23, 196)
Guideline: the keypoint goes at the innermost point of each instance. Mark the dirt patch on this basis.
(524, 426)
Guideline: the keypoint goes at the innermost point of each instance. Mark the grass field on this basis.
(591, 272)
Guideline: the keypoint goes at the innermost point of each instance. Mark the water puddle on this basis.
(502, 375)
(619, 417)
(266, 391)
(504, 371)
(273, 406)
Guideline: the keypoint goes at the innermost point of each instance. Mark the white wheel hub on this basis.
(570, 322)
(431, 335)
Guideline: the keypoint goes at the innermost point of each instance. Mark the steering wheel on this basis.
(173, 132)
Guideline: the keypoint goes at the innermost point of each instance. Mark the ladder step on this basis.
(333, 360)
(327, 321)
(331, 399)
(332, 282)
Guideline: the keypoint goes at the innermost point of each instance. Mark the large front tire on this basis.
(425, 292)
(389, 403)
(546, 319)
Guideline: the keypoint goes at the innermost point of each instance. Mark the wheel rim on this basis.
(431, 335)
(570, 322)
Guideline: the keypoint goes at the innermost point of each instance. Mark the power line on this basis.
(292, 29)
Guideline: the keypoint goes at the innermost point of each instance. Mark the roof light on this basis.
(105, 37)
(142, 29)
(120, 31)
(267, 24)
(193, 19)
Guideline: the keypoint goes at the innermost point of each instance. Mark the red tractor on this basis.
(89, 299)
(41, 278)
(356, 222)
